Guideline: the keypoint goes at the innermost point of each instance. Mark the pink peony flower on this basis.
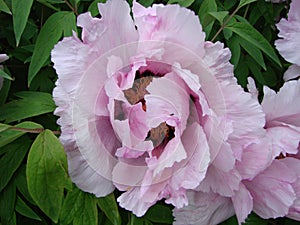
(146, 105)
(269, 169)
(276, 190)
(289, 44)
(3, 57)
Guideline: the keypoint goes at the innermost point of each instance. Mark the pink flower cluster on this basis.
(149, 107)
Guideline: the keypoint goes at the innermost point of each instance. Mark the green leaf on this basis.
(135, 220)
(207, 21)
(183, 3)
(79, 207)
(7, 205)
(255, 70)
(110, 208)
(4, 127)
(4, 91)
(12, 159)
(219, 15)
(235, 49)
(5, 75)
(39, 102)
(146, 3)
(250, 34)
(4, 7)
(11, 135)
(25, 210)
(160, 214)
(254, 52)
(47, 175)
(20, 10)
(241, 72)
(245, 2)
(51, 32)
(21, 183)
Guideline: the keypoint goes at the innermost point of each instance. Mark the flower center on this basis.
(161, 134)
(136, 93)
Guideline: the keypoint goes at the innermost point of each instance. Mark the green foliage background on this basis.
(34, 183)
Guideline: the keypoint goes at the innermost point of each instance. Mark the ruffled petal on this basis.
(85, 177)
(217, 59)
(170, 23)
(289, 31)
(112, 29)
(294, 164)
(220, 182)
(292, 72)
(255, 158)
(243, 203)
(280, 106)
(284, 138)
(242, 109)
(272, 190)
(204, 209)
(190, 172)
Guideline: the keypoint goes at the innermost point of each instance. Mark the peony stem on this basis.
(33, 131)
(71, 7)
(225, 23)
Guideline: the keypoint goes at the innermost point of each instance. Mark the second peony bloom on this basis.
(149, 107)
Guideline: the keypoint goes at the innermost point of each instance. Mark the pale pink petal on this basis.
(170, 23)
(294, 164)
(220, 182)
(284, 138)
(255, 158)
(138, 202)
(217, 58)
(3, 57)
(191, 171)
(292, 72)
(125, 152)
(272, 190)
(281, 106)
(198, 158)
(71, 58)
(204, 209)
(85, 177)
(111, 25)
(243, 203)
(289, 31)
(165, 90)
(252, 87)
(122, 174)
(242, 109)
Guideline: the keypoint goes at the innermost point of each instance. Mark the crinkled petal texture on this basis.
(289, 32)
(147, 106)
(204, 209)
(272, 190)
(283, 117)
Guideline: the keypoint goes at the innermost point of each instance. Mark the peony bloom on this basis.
(283, 129)
(147, 106)
(3, 57)
(269, 168)
(289, 44)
